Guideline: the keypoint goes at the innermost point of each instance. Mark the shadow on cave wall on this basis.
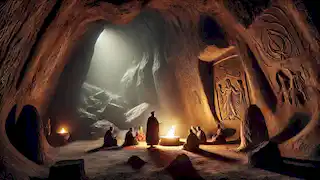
(63, 104)
(10, 124)
(24, 135)
(266, 90)
(256, 124)
(297, 123)
(206, 75)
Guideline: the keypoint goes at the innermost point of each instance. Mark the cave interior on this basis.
(250, 68)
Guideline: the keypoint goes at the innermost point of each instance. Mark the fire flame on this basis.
(171, 132)
(62, 131)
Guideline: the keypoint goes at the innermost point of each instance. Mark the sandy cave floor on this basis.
(221, 162)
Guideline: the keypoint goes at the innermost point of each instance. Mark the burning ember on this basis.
(62, 131)
(170, 139)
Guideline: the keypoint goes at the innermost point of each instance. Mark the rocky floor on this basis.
(217, 162)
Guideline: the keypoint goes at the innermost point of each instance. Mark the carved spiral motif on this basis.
(279, 39)
(277, 45)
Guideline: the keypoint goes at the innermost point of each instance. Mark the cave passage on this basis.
(114, 85)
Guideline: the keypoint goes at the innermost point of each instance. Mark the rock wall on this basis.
(289, 61)
(37, 37)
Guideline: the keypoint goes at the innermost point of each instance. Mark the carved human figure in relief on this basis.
(242, 92)
(284, 93)
(298, 88)
(228, 106)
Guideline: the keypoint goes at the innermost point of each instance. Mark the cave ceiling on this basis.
(37, 36)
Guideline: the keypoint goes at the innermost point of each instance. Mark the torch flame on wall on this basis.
(62, 131)
(171, 132)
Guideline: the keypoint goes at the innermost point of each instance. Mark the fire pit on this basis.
(60, 138)
(64, 134)
(170, 139)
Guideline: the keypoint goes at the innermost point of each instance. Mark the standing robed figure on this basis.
(152, 130)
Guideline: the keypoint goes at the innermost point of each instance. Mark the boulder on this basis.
(68, 169)
(136, 162)
(266, 155)
(84, 114)
(181, 168)
(115, 114)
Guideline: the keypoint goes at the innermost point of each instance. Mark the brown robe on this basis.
(152, 137)
(202, 136)
(109, 140)
(192, 143)
(130, 140)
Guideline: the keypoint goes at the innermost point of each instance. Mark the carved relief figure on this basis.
(298, 88)
(292, 87)
(228, 105)
(284, 84)
(242, 92)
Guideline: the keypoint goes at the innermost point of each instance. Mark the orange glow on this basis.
(63, 131)
(171, 132)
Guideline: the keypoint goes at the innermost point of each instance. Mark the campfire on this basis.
(170, 139)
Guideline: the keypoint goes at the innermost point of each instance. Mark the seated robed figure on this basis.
(109, 139)
(130, 140)
(192, 143)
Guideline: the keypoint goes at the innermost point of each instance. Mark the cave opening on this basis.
(109, 79)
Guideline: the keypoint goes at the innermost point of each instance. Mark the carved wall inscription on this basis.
(277, 37)
(282, 49)
(292, 87)
(230, 90)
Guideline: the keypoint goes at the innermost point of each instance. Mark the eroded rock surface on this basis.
(277, 55)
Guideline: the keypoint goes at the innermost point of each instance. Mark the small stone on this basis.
(266, 156)
(136, 162)
(68, 169)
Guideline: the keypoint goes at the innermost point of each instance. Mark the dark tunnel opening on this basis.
(211, 32)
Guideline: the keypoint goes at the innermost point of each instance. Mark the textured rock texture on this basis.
(277, 56)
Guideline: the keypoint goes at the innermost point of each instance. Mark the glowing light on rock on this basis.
(170, 139)
(63, 131)
(171, 132)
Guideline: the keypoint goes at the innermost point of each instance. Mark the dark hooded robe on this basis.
(192, 143)
(202, 136)
(152, 137)
(130, 140)
(109, 140)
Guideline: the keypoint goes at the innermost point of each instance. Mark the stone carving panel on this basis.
(282, 50)
(278, 40)
(292, 86)
(230, 90)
